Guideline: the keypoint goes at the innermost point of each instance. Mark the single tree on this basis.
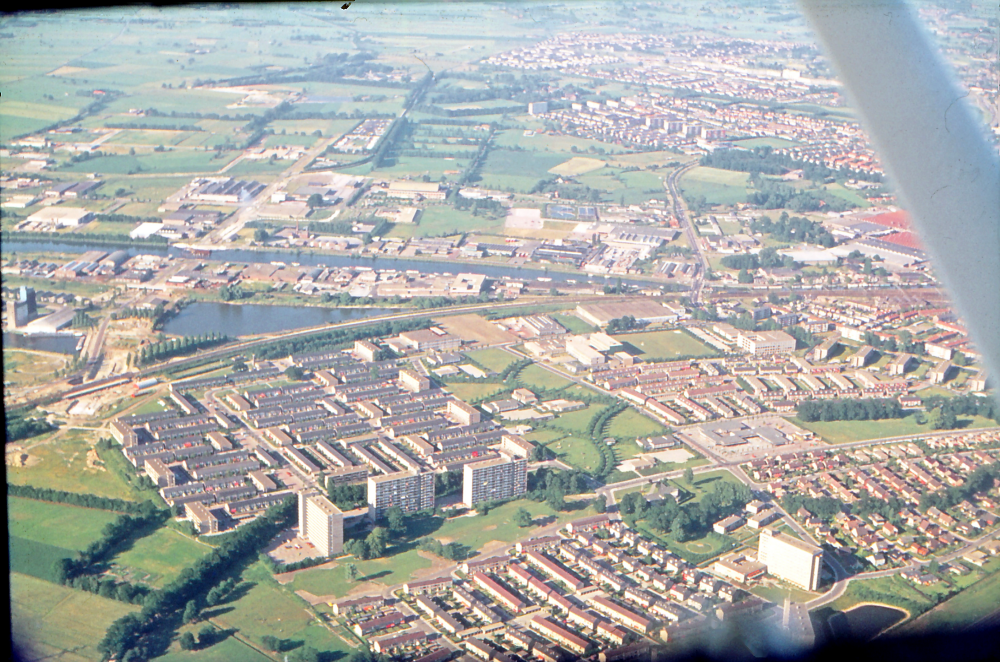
(689, 476)
(396, 520)
(271, 643)
(190, 612)
(187, 641)
(206, 635)
(351, 572)
(600, 504)
(377, 541)
(522, 518)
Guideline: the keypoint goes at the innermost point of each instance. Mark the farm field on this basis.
(62, 465)
(37, 559)
(836, 432)
(159, 557)
(720, 187)
(66, 526)
(665, 345)
(160, 162)
(577, 165)
(50, 621)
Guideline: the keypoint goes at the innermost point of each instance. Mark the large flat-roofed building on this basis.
(63, 216)
(321, 523)
(790, 559)
(504, 477)
(409, 490)
(432, 338)
(600, 314)
(761, 343)
(415, 190)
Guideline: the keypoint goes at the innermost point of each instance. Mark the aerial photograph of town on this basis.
(477, 331)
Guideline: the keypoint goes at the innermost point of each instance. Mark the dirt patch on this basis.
(473, 328)
(93, 461)
(490, 527)
(16, 457)
(285, 577)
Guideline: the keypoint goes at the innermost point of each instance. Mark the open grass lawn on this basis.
(415, 166)
(472, 390)
(63, 466)
(265, 167)
(494, 359)
(159, 162)
(630, 425)
(477, 531)
(836, 432)
(665, 345)
(719, 187)
(389, 571)
(893, 591)
(704, 483)
(231, 648)
(441, 220)
(71, 527)
(967, 607)
(839, 191)
(536, 377)
(573, 323)
(267, 608)
(23, 368)
(34, 558)
(526, 164)
(577, 166)
(577, 421)
(49, 621)
(158, 558)
(577, 451)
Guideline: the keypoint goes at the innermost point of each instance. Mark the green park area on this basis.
(71, 527)
(536, 377)
(630, 425)
(665, 345)
(389, 571)
(838, 432)
(492, 359)
(577, 421)
(49, 621)
(158, 558)
(576, 451)
(61, 463)
(474, 391)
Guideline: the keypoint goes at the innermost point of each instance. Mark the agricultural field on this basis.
(71, 527)
(719, 187)
(577, 165)
(169, 162)
(517, 170)
(665, 345)
(159, 557)
(50, 621)
(61, 463)
(837, 432)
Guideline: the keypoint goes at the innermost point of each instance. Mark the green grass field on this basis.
(442, 221)
(56, 524)
(665, 345)
(577, 165)
(63, 466)
(630, 425)
(577, 421)
(23, 368)
(49, 621)
(720, 187)
(776, 143)
(35, 558)
(159, 162)
(970, 605)
(477, 531)
(573, 450)
(573, 323)
(836, 432)
(472, 390)
(535, 377)
(159, 557)
(493, 359)
(232, 648)
(389, 571)
(893, 591)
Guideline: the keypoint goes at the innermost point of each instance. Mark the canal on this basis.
(252, 319)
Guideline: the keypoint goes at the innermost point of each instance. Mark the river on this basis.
(252, 319)
(329, 260)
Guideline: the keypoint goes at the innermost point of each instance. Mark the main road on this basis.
(681, 214)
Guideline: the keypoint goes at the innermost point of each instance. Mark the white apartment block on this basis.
(499, 478)
(791, 559)
(761, 343)
(321, 523)
(409, 490)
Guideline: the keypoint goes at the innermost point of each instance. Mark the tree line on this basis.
(333, 338)
(846, 409)
(179, 346)
(110, 239)
(21, 427)
(140, 509)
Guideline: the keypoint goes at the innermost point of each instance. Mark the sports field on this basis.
(49, 621)
(159, 557)
(666, 345)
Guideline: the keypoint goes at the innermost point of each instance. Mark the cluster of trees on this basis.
(765, 160)
(768, 258)
(140, 313)
(179, 346)
(552, 486)
(794, 229)
(452, 551)
(865, 409)
(19, 427)
(693, 520)
(109, 239)
(567, 191)
(335, 337)
(82, 320)
(123, 638)
(157, 127)
(471, 172)
(948, 409)
(206, 637)
(487, 206)
(348, 497)
(144, 509)
(626, 323)
(980, 480)
(373, 546)
(120, 590)
(770, 194)
(448, 483)
(902, 343)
